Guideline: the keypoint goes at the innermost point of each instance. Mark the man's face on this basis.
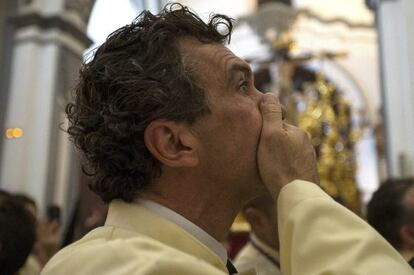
(229, 135)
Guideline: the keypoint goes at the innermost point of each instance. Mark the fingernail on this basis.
(269, 98)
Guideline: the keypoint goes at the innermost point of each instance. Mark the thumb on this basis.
(271, 110)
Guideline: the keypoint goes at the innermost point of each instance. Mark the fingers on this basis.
(54, 226)
(271, 110)
(284, 152)
(48, 227)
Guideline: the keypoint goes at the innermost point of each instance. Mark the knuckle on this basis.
(274, 135)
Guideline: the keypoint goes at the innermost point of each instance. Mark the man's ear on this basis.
(407, 235)
(171, 143)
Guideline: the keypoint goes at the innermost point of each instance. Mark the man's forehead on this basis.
(213, 54)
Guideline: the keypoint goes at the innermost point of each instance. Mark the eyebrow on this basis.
(239, 67)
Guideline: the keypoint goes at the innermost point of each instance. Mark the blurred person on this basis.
(261, 253)
(27, 202)
(47, 240)
(391, 212)
(4, 194)
(17, 234)
(177, 139)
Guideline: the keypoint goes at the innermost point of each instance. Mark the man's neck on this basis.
(212, 212)
(212, 216)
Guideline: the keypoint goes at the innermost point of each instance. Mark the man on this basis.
(261, 253)
(17, 234)
(391, 213)
(177, 140)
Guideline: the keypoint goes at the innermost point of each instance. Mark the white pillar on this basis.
(395, 24)
(25, 159)
(47, 52)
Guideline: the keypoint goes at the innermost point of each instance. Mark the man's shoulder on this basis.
(117, 251)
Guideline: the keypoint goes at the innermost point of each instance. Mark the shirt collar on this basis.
(266, 248)
(187, 225)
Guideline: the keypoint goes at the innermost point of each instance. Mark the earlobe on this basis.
(171, 143)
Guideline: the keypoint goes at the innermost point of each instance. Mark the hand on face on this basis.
(284, 152)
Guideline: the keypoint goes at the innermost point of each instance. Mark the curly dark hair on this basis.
(386, 211)
(137, 76)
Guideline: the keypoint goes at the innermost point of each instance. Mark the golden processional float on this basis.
(313, 102)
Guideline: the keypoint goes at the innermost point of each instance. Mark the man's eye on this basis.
(244, 87)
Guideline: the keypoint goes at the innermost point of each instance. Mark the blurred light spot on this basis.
(9, 133)
(17, 132)
(14, 133)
